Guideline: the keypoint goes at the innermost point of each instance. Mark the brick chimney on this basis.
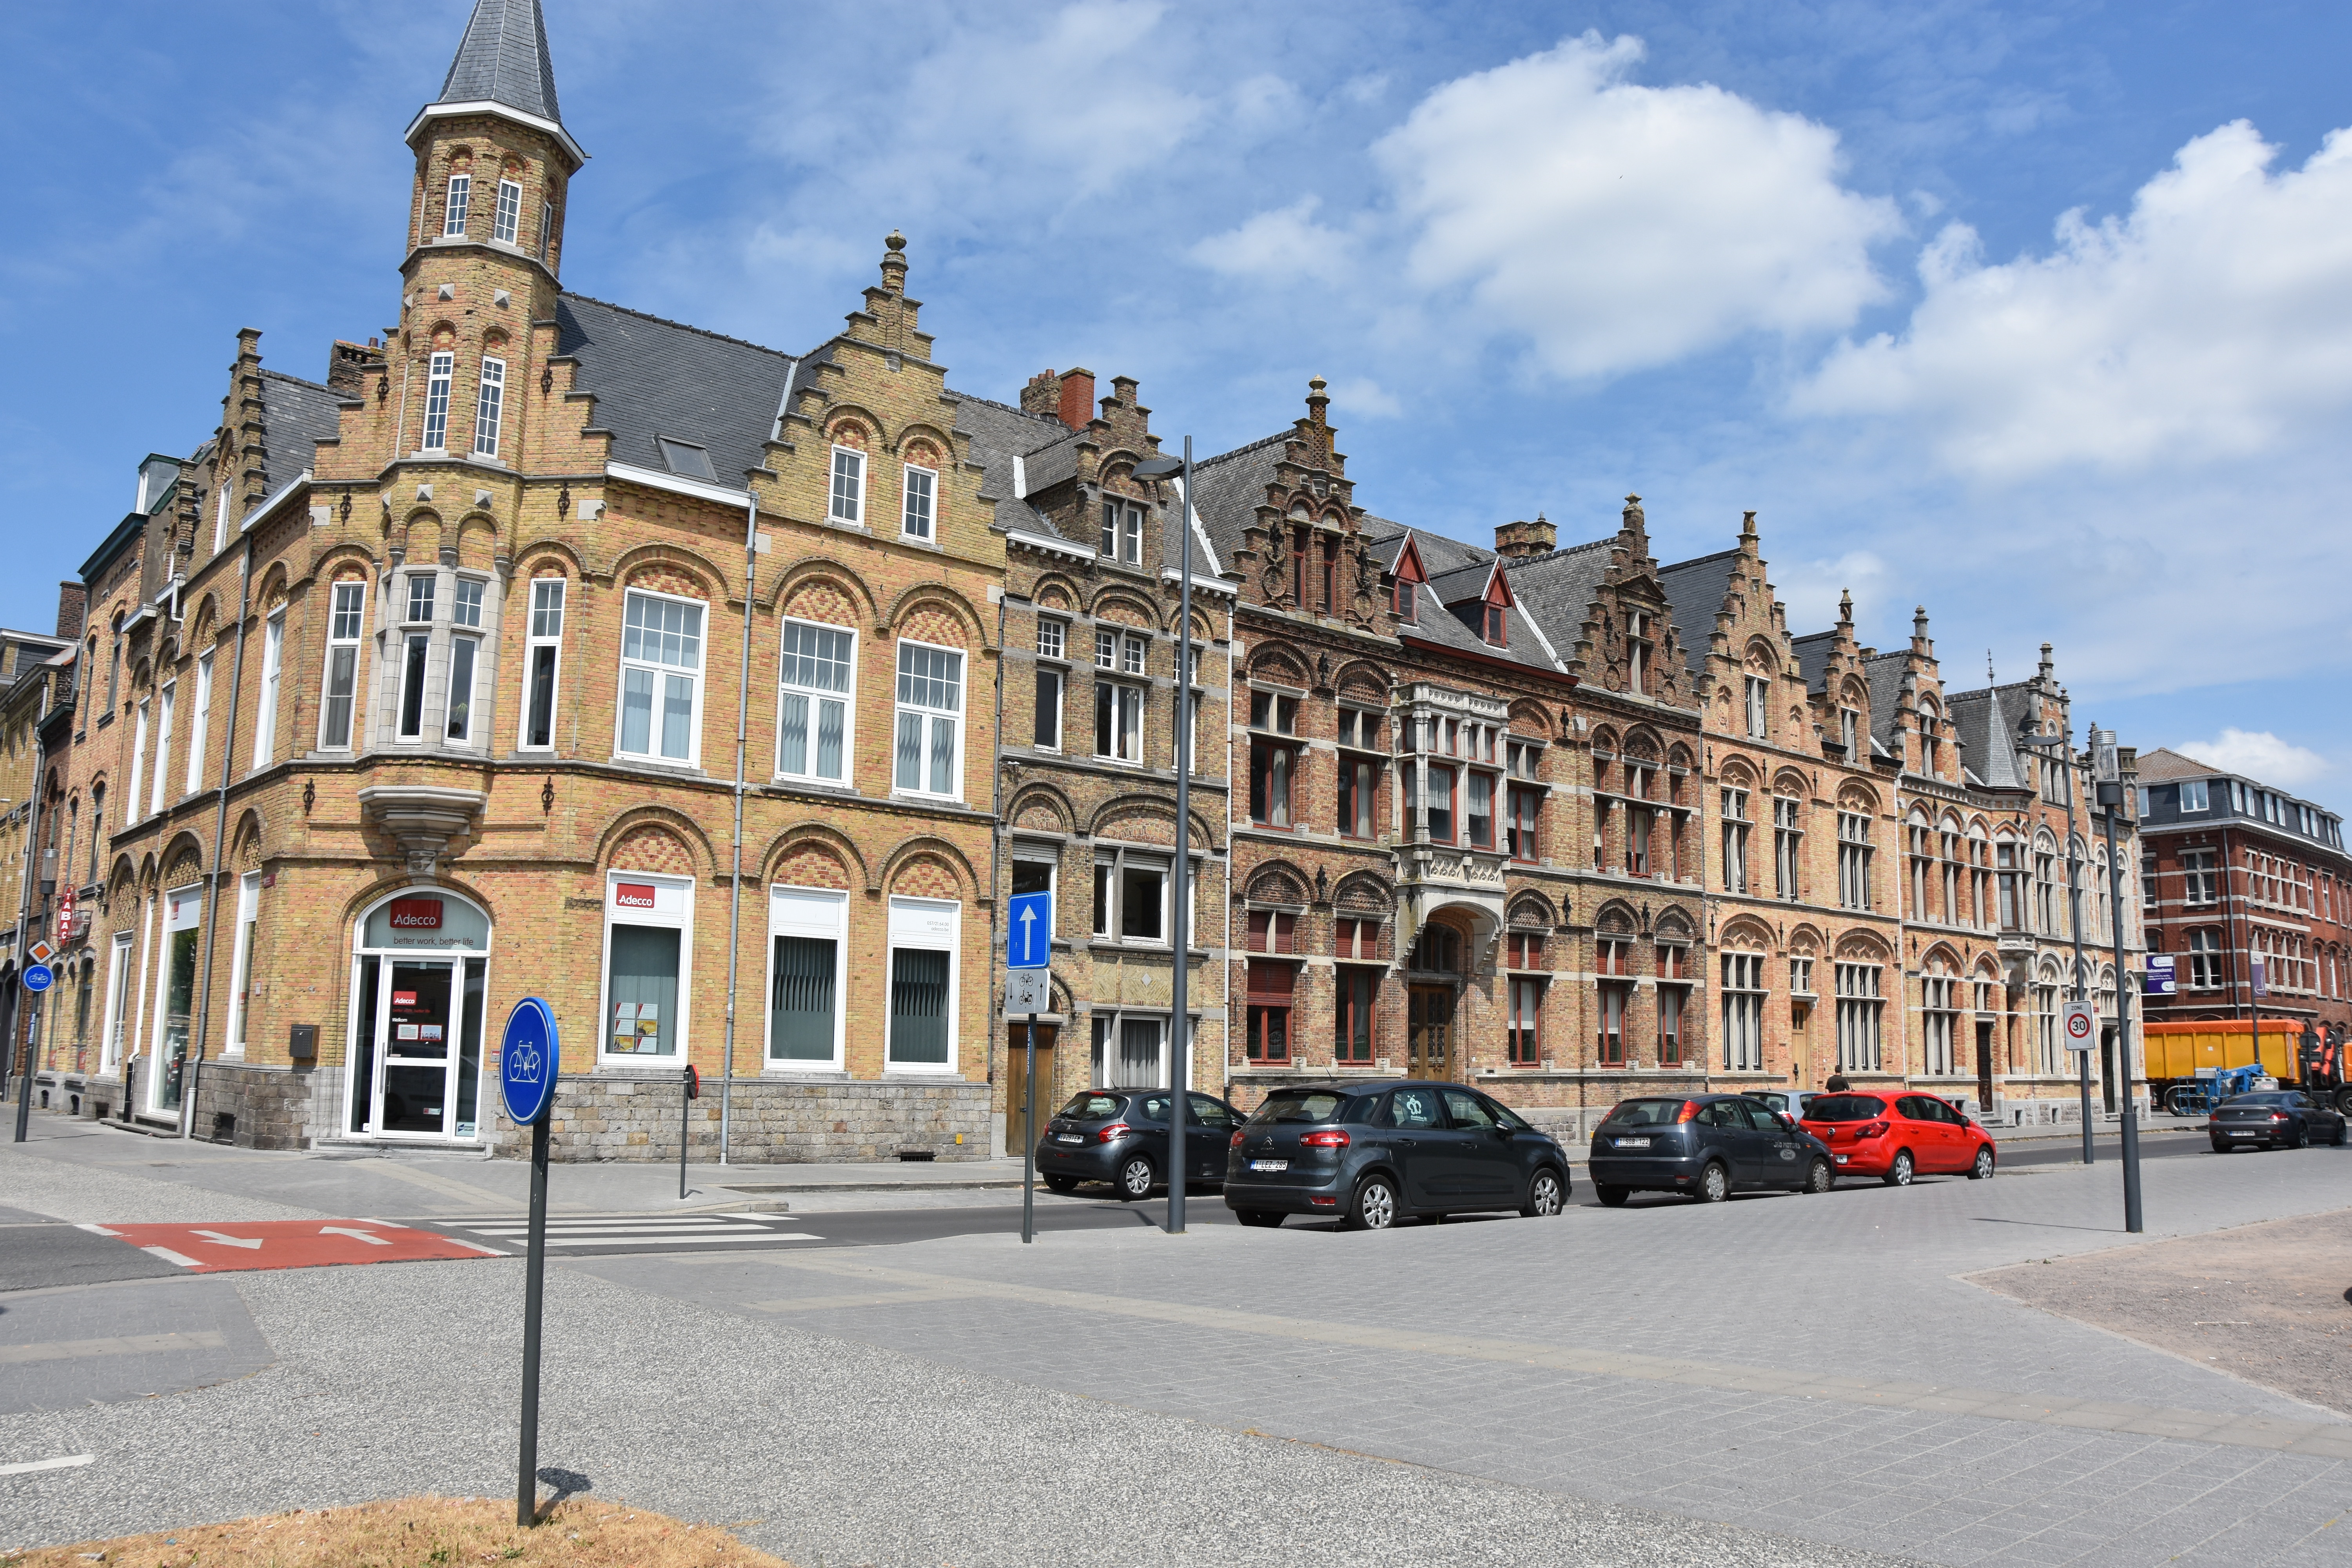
(348, 365)
(72, 602)
(1518, 541)
(1068, 396)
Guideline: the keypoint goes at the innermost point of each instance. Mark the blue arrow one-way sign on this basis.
(1029, 931)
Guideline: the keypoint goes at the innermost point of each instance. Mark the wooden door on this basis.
(1429, 1037)
(1016, 1082)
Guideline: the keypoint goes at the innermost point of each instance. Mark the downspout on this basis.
(996, 844)
(220, 828)
(23, 922)
(735, 879)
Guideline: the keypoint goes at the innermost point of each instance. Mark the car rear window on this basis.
(1301, 1105)
(1089, 1107)
(1845, 1108)
(1647, 1113)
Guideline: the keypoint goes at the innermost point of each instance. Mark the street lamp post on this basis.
(2111, 802)
(2061, 742)
(1180, 1022)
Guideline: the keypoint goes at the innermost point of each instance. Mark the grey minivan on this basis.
(1369, 1154)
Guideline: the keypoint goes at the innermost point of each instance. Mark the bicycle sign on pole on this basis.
(528, 1056)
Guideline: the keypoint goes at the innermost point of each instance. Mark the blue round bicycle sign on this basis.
(39, 977)
(527, 1058)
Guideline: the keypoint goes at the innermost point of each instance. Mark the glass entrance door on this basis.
(424, 1080)
(1429, 1041)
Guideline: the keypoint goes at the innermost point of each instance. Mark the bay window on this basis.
(814, 723)
(931, 721)
(661, 677)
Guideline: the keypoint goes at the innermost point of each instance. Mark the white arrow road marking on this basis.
(65, 1463)
(369, 1236)
(249, 1243)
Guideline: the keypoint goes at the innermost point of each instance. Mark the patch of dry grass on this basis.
(420, 1533)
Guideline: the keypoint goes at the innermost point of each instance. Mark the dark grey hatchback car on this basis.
(1702, 1145)
(1120, 1136)
(1369, 1154)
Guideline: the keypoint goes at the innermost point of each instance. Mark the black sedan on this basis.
(1120, 1136)
(1705, 1146)
(1369, 1154)
(2275, 1119)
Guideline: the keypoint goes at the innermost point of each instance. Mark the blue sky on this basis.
(2042, 317)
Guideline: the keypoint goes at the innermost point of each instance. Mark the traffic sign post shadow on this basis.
(528, 1056)
(1029, 991)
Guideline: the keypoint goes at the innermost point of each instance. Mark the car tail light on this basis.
(1331, 1138)
(2278, 1116)
(1689, 1112)
(1324, 1202)
(1237, 1141)
(1113, 1134)
(1871, 1129)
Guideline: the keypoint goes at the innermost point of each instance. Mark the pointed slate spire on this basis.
(503, 59)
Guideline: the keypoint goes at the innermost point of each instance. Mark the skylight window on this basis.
(685, 459)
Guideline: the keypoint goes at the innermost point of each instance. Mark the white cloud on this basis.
(1618, 226)
(1810, 589)
(1363, 396)
(1285, 242)
(2211, 322)
(2259, 754)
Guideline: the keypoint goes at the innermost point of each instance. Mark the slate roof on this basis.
(999, 434)
(2164, 764)
(653, 377)
(1462, 585)
(1695, 594)
(1557, 589)
(1231, 487)
(1884, 673)
(1988, 721)
(1812, 651)
(503, 58)
(296, 414)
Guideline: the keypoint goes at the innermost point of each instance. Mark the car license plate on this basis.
(1632, 1142)
(1269, 1164)
(1070, 1137)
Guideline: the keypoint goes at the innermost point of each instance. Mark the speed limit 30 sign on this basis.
(2082, 1023)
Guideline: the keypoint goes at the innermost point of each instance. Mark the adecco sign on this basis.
(416, 914)
(634, 895)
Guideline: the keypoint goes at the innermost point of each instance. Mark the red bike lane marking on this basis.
(227, 1247)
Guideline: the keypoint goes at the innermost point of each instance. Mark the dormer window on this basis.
(685, 459)
(508, 220)
(453, 212)
(1122, 531)
(1405, 601)
(1495, 637)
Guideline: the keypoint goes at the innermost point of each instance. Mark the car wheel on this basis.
(1062, 1184)
(1374, 1206)
(1135, 1178)
(1547, 1195)
(2299, 1138)
(2220, 1147)
(1264, 1218)
(1982, 1170)
(1713, 1184)
(1818, 1178)
(1904, 1168)
(2343, 1133)
(1612, 1198)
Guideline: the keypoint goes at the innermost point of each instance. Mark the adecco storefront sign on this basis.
(634, 896)
(416, 914)
(425, 923)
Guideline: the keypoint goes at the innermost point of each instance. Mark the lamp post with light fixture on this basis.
(2061, 742)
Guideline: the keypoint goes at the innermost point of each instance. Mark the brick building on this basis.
(36, 705)
(2235, 871)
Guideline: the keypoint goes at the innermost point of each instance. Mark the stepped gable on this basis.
(657, 378)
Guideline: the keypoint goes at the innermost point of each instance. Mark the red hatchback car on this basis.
(1897, 1136)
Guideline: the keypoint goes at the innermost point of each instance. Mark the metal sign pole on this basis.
(687, 1089)
(533, 1281)
(1029, 1137)
(1180, 1022)
(2111, 803)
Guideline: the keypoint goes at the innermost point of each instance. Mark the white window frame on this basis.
(847, 502)
(1760, 705)
(1125, 703)
(358, 617)
(846, 697)
(660, 671)
(2199, 797)
(133, 806)
(273, 676)
(789, 911)
(248, 916)
(535, 638)
(199, 721)
(1743, 1012)
(1058, 679)
(1111, 911)
(901, 710)
(920, 522)
(1121, 536)
(546, 228)
(440, 378)
(489, 406)
(951, 943)
(220, 517)
(680, 916)
(1859, 1016)
(457, 204)
(118, 1000)
(1110, 1025)
(506, 221)
(472, 661)
(166, 701)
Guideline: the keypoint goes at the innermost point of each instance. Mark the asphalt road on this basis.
(44, 1254)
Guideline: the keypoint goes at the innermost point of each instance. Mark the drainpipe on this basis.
(23, 922)
(995, 843)
(220, 828)
(735, 880)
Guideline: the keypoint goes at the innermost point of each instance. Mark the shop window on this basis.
(922, 983)
(806, 974)
(647, 919)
